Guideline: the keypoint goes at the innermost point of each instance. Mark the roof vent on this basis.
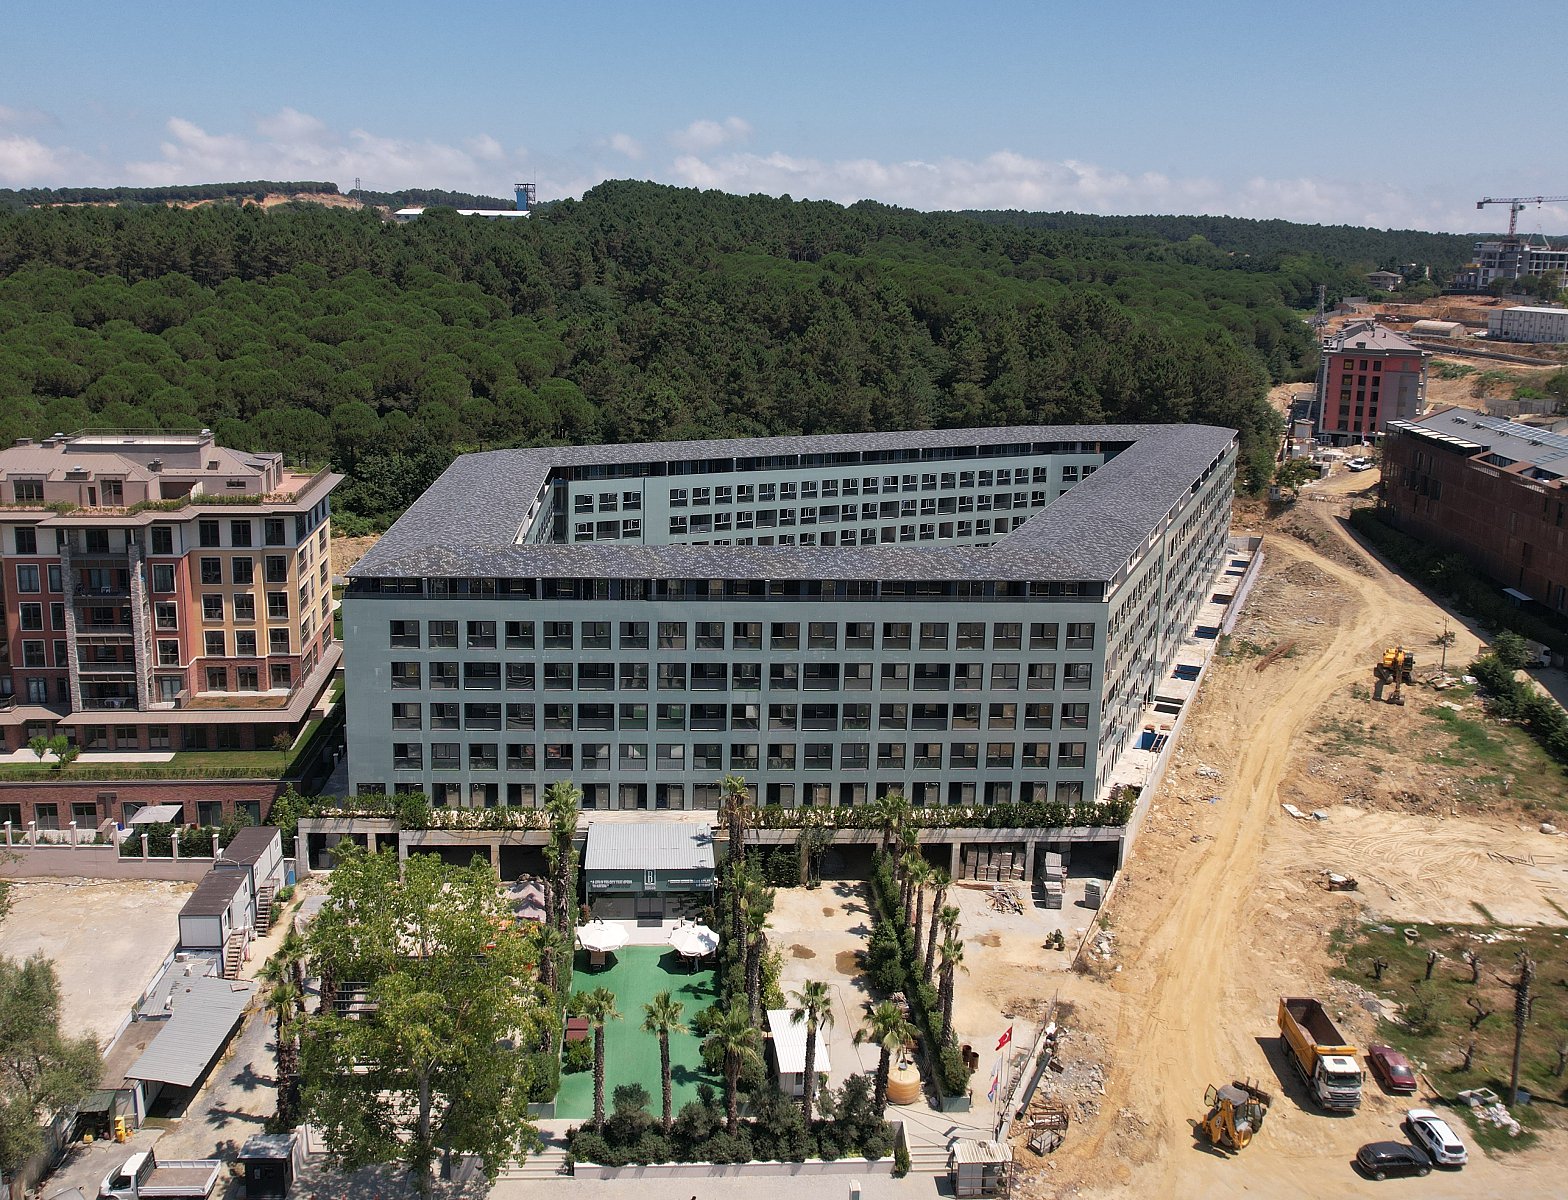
(155, 465)
(212, 464)
(23, 442)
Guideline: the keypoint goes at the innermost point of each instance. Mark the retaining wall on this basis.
(95, 862)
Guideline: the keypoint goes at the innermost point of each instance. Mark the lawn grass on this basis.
(1504, 756)
(1436, 1044)
(630, 1055)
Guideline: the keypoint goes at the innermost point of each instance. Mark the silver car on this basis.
(1432, 1134)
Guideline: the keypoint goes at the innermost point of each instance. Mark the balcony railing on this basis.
(109, 702)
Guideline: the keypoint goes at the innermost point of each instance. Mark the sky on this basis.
(1390, 115)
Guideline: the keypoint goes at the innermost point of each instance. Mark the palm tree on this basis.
(943, 916)
(284, 1000)
(549, 942)
(891, 1032)
(662, 1017)
(599, 1007)
(890, 810)
(733, 802)
(908, 858)
(815, 1007)
(952, 952)
(737, 1039)
(756, 950)
(920, 873)
(561, 802)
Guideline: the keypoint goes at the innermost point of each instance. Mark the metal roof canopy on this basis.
(204, 1014)
(978, 1150)
(789, 1043)
(250, 844)
(213, 894)
(158, 814)
(649, 846)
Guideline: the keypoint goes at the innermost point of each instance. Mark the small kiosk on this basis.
(649, 870)
(978, 1168)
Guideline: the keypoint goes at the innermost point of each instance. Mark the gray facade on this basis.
(965, 615)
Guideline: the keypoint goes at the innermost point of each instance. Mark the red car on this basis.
(1392, 1068)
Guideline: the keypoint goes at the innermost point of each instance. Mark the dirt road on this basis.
(1211, 930)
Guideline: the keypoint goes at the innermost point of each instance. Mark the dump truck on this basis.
(1320, 1053)
(143, 1177)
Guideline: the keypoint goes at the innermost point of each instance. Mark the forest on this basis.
(640, 312)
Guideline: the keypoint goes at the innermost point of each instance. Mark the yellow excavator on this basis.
(1397, 666)
(1236, 1112)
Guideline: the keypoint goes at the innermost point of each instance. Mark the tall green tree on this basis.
(889, 1031)
(813, 1005)
(599, 1007)
(41, 1070)
(939, 913)
(738, 1042)
(662, 1017)
(432, 1063)
(562, 803)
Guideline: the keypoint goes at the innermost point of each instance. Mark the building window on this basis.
(277, 606)
(481, 635)
(217, 679)
(404, 674)
(239, 533)
(245, 643)
(212, 607)
(168, 652)
(1042, 636)
(746, 635)
(163, 577)
(404, 634)
(27, 578)
(207, 533)
(672, 635)
(278, 641)
(1042, 677)
(213, 643)
(275, 531)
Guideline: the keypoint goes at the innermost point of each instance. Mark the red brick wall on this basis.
(150, 791)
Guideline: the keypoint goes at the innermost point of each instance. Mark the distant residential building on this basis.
(1446, 329)
(1511, 259)
(1384, 281)
(1489, 489)
(1367, 377)
(161, 592)
(1528, 323)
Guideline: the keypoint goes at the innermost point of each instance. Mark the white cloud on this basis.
(1006, 179)
(290, 144)
(702, 136)
(625, 144)
(27, 162)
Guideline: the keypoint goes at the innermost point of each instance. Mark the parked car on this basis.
(1382, 1159)
(1432, 1134)
(1392, 1068)
(1360, 464)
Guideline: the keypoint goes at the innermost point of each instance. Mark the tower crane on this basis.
(1516, 205)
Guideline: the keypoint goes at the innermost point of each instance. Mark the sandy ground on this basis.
(1221, 909)
(818, 933)
(346, 551)
(106, 938)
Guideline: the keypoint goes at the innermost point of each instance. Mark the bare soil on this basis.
(1222, 909)
(346, 551)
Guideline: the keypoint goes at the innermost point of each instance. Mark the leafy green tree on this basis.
(662, 1017)
(813, 1005)
(432, 1063)
(39, 745)
(1511, 650)
(41, 1070)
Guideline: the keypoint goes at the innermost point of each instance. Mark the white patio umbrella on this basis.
(693, 941)
(600, 937)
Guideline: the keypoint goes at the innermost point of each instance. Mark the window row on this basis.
(743, 677)
(734, 756)
(735, 635)
(724, 717)
(863, 485)
(925, 794)
(882, 535)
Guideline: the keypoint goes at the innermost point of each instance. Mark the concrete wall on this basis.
(95, 862)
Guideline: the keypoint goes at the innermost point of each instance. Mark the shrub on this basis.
(577, 1057)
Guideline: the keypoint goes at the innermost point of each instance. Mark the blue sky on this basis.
(1382, 114)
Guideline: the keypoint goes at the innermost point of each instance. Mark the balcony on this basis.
(109, 702)
(117, 630)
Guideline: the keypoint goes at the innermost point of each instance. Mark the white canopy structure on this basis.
(693, 940)
(601, 937)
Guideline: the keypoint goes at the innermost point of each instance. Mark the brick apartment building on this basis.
(1488, 489)
(1368, 377)
(161, 592)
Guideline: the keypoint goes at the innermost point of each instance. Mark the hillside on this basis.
(637, 312)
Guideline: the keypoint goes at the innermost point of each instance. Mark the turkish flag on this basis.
(1005, 1038)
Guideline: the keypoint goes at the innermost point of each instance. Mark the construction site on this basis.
(1338, 777)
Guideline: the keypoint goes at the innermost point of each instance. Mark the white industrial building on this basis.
(1528, 323)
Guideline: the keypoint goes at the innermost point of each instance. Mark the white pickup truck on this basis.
(143, 1177)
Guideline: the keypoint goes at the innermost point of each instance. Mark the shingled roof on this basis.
(469, 521)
